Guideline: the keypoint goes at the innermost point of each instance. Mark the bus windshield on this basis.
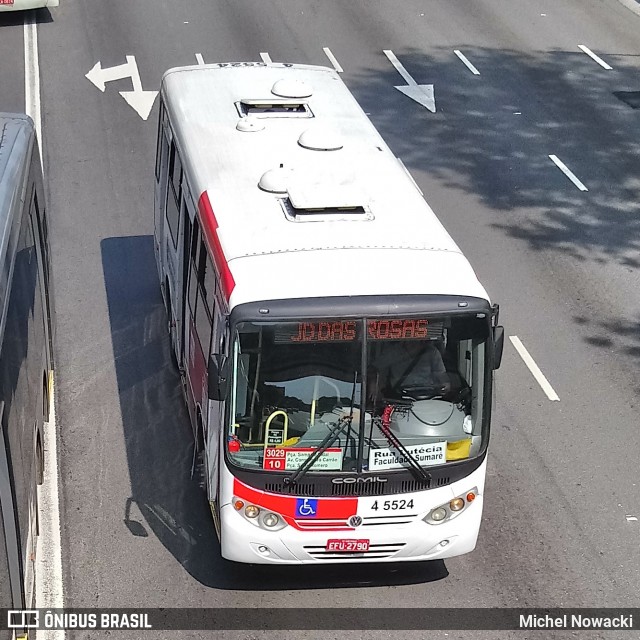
(357, 385)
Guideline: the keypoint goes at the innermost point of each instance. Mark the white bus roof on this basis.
(346, 221)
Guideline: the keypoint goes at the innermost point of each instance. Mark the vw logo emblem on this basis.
(355, 521)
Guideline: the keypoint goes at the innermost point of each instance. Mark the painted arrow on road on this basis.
(421, 93)
(141, 101)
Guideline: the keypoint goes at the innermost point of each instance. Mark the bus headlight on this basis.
(251, 511)
(439, 514)
(451, 509)
(270, 520)
(258, 516)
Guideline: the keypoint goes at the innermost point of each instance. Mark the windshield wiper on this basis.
(383, 424)
(335, 431)
(330, 438)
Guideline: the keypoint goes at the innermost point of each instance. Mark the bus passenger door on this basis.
(190, 238)
(160, 191)
(215, 432)
(170, 244)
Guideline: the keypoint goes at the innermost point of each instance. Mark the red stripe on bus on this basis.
(329, 509)
(210, 228)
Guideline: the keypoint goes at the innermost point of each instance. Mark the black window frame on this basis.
(174, 181)
(160, 139)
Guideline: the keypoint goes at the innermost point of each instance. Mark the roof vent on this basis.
(288, 88)
(324, 214)
(250, 123)
(320, 139)
(323, 201)
(275, 180)
(277, 108)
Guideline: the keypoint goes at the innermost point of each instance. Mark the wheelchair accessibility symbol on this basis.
(306, 507)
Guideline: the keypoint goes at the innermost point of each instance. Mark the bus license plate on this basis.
(347, 545)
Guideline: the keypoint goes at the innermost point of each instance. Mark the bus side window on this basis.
(161, 138)
(41, 221)
(204, 305)
(31, 238)
(174, 192)
(193, 267)
(175, 172)
(209, 284)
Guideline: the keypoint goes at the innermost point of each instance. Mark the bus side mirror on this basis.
(498, 346)
(217, 383)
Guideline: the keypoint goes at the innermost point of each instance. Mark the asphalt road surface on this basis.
(558, 250)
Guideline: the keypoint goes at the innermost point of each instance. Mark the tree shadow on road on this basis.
(490, 141)
(492, 135)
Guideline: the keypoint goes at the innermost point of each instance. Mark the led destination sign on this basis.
(405, 329)
(346, 330)
(322, 331)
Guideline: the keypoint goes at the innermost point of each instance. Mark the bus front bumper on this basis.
(241, 541)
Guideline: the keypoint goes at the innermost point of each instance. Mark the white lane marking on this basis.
(332, 59)
(49, 586)
(533, 367)
(32, 77)
(466, 62)
(632, 5)
(199, 59)
(399, 68)
(567, 172)
(423, 94)
(139, 100)
(266, 58)
(99, 75)
(632, 519)
(590, 53)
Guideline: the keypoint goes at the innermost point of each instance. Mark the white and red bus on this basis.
(336, 347)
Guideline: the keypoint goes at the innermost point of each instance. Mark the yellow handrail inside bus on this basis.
(313, 402)
(279, 412)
